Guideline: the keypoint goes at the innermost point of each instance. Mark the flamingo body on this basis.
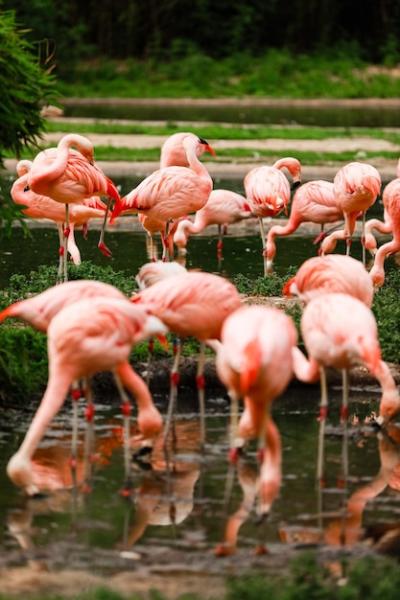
(329, 274)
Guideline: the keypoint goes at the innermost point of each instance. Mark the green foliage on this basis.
(386, 309)
(275, 73)
(263, 286)
(24, 87)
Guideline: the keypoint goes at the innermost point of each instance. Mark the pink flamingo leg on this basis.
(323, 413)
(200, 383)
(173, 389)
(89, 437)
(101, 245)
(66, 236)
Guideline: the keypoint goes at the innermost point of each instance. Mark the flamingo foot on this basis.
(261, 550)
(104, 249)
(224, 550)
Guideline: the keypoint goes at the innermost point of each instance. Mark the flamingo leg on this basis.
(220, 244)
(262, 233)
(150, 349)
(344, 413)
(323, 413)
(101, 245)
(126, 409)
(200, 384)
(60, 252)
(75, 395)
(364, 251)
(173, 389)
(65, 247)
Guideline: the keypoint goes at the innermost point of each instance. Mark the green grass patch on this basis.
(306, 578)
(227, 132)
(111, 153)
(276, 73)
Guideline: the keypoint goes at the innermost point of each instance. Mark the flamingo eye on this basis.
(26, 188)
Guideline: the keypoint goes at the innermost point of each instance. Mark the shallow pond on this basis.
(22, 253)
(177, 515)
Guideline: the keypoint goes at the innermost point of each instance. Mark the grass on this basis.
(111, 153)
(277, 73)
(369, 578)
(27, 376)
(228, 131)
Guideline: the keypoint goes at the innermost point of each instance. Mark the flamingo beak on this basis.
(210, 149)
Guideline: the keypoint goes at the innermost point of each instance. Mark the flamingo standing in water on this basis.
(88, 336)
(41, 309)
(268, 191)
(171, 192)
(69, 176)
(42, 207)
(356, 187)
(329, 274)
(391, 202)
(254, 361)
(313, 202)
(192, 304)
(340, 331)
(222, 208)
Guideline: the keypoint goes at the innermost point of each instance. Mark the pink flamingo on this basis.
(254, 361)
(192, 304)
(153, 225)
(356, 187)
(222, 208)
(85, 337)
(390, 191)
(391, 202)
(171, 192)
(69, 176)
(330, 274)
(153, 272)
(340, 331)
(268, 191)
(42, 207)
(313, 202)
(173, 152)
(41, 309)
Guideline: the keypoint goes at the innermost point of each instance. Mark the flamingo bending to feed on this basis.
(42, 207)
(40, 310)
(356, 187)
(268, 191)
(391, 190)
(69, 176)
(391, 202)
(254, 361)
(153, 272)
(340, 331)
(222, 208)
(329, 274)
(171, 192)
(313, 202)
(192, 304)
(173, 152)
(88, 336)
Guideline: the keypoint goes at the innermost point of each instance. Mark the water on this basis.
(22, 253)
(86, 527)
(285, 115)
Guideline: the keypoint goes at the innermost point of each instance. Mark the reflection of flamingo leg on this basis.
(323, 413)
(343, 418)
(60, 252)
(89, 435)
(262, 233)
(126, 409)
(173, 389)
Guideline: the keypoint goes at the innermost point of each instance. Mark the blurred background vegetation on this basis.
(151, 42)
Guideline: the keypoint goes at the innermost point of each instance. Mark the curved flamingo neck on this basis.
(57, 166)
(291, 164)
(377, 272)
(17, 191)
(194, 163)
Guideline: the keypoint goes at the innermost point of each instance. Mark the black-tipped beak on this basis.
(295, 185)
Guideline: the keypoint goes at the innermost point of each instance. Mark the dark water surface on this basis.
(89, 527)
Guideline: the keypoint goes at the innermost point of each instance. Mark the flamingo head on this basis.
(290, 288)
(207, 147)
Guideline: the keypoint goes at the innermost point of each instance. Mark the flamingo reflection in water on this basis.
(162, 493)
(348, 530)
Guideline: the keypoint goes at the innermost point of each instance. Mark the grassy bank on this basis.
(23, 356)
(369, 578)
(275, 74)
